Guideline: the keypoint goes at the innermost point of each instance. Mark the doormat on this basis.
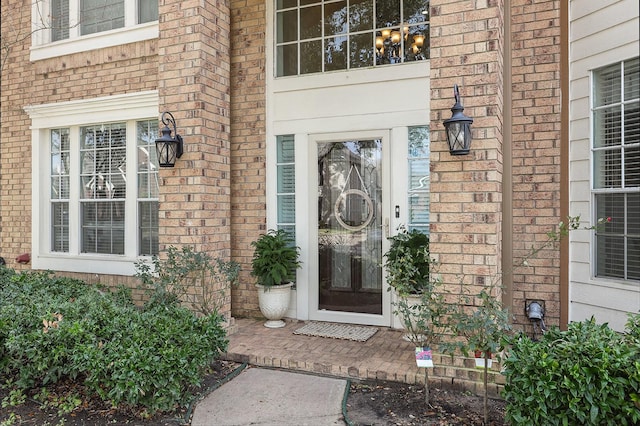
(337, 331)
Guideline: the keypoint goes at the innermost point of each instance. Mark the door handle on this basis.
(385, 227)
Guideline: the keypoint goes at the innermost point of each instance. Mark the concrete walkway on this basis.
(259, 396)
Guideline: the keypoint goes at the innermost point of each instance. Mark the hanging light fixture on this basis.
(458, 128)
(169, 148)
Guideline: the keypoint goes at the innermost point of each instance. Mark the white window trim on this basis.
(127, 107)
(612, 282)
(43, 48)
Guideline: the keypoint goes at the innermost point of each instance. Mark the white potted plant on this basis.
(274, 264)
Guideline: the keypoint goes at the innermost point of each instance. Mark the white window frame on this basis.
(377, 33)
(43, 48)
(603, 191)
(129, 107)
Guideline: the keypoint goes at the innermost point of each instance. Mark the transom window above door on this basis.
(314, 36)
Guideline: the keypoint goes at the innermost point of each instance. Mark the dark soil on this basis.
(391, 403)
(368, 403)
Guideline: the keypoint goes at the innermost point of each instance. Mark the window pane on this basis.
(310, 22)
(285, 148)
(618, 241)
(287, 60)
(633, 230)
(362, 51)
(101, 15)
(360, 15)
(607, 171)
(632, 167)
(286, 178)
(419, 142)
(632, 79)
(60, 164)
(148, 185)
(389, 46)
(103, 160)
(103, 227)
(287, 26)
(286, 209)
(336, 54)
(310, 57)
(335, 18)
(147, 11)
(59, 20)
(632, 123)
(607, 86)
(387, 13)
(417, 43)
(286, 182)
(285, 4)
(607, 127)
(415, 11)
(419, 178)
(633, 214)
(148, 228)
(60, 227)
(610, 256)
(148, 188)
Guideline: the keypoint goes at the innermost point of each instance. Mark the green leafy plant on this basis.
(15, 397)
(275, 258)
(424, 318)
(190, 277)
(588, 375)
(408, 262)
(56, 328)
(11, 420)
(481, 322)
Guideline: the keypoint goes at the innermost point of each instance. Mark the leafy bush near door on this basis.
(56, 328)
(588, 375)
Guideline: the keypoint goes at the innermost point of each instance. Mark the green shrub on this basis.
(588, 375)
(187, 276)
(55, 328)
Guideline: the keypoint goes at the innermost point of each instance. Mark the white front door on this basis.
(351, 227)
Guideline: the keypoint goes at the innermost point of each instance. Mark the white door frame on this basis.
(311, 190)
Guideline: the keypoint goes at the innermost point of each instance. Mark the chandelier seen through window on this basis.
(318, 36)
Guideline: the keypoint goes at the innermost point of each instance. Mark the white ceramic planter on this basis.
(411, 300)
(274, 302)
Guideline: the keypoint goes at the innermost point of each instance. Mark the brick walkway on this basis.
(384, 356)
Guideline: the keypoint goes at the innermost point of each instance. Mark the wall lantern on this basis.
(458, 128)
(168, 148)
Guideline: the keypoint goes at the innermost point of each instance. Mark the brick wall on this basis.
(536, 151)
(466, 201)
(248, 144)
(121, 69)
(193, 70)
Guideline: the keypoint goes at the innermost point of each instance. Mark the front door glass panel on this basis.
(350, 226)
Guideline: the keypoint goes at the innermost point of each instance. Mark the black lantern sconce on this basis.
(458, 128)
(168, 148)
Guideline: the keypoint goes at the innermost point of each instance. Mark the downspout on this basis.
(564, 160)
(507, 159)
